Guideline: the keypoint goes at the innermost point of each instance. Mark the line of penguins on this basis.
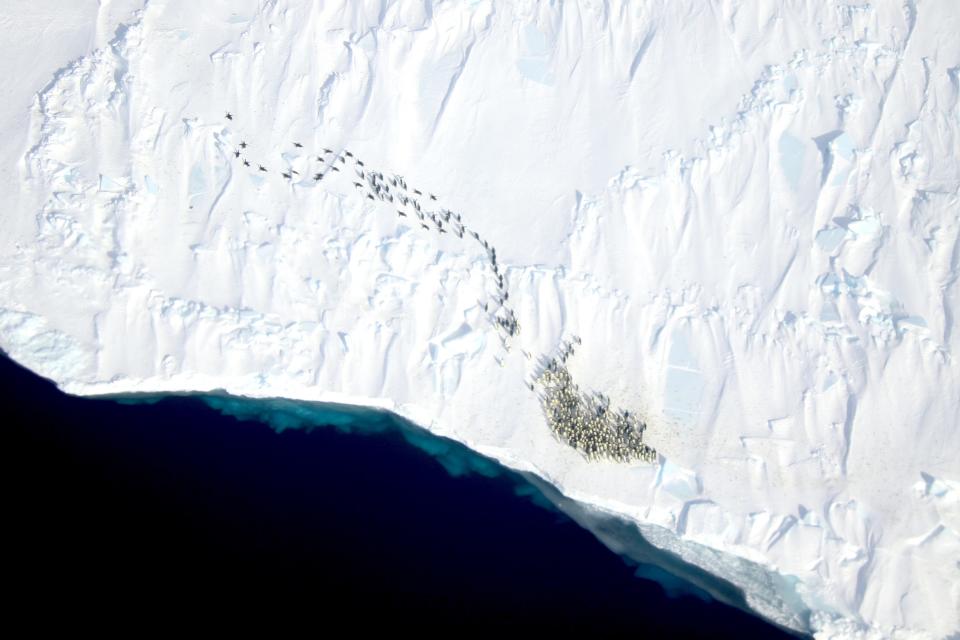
(582, 422)
(408, 202)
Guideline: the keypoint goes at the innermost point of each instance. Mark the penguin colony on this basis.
(585, 421)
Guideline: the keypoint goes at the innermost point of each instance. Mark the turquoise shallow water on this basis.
(351, 508)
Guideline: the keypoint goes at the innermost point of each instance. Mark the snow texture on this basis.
(749, 213)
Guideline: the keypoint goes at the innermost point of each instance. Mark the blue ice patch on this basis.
(533, 62)
(830, 239)
(791, 159)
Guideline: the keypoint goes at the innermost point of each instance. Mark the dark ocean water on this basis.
(163, 506)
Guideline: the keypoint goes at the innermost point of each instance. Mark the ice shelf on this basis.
(744, 215)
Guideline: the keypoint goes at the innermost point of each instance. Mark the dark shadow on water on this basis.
(135, 501)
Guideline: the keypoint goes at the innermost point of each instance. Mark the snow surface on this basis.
(749, 212)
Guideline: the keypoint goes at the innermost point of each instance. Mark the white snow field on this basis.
(749, 212)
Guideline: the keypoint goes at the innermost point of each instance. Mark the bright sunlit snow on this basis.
(732, 223)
